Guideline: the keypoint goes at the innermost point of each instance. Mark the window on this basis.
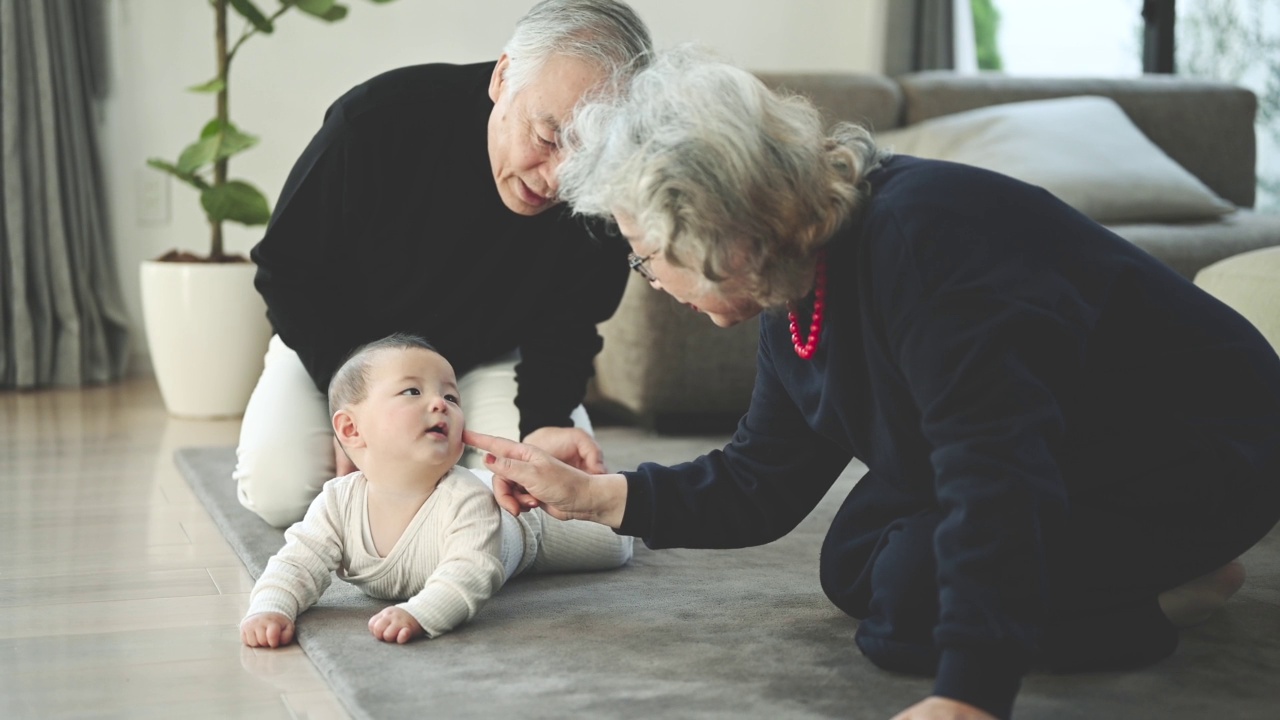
(1238, 41)
(1235, 41)
(1081, 38)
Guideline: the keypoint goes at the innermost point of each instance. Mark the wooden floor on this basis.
(118, 595)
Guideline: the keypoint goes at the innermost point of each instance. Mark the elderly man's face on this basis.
(524, 147)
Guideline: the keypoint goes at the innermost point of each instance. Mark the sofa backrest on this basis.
(1206, 126)
(871, 100)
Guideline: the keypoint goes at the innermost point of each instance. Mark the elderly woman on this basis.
(1069, 444)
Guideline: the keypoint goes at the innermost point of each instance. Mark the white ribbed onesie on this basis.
(455, 553)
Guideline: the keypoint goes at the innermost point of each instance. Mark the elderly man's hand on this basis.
(572, 446)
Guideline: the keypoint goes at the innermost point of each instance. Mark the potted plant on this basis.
(206, 326)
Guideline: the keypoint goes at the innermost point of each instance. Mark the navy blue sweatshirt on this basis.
(391, 221)
(992, 352)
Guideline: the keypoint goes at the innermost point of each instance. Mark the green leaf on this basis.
(213, 86)
(233, 142)
(189, 178)
(237, 201)
(210, 128)
(337, 12)
(315, 7)
(197, 155)
(253, 15)
(327, 10)
(217, 141)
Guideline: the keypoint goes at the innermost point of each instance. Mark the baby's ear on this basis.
(344, 427)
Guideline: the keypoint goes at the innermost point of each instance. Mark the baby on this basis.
(410, 523)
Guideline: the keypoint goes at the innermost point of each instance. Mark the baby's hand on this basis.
(394, 625)
(266, 630)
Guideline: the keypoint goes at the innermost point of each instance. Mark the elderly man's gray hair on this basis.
(720, 174)
(605, 33)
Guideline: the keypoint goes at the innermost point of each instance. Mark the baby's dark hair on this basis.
(350, 384)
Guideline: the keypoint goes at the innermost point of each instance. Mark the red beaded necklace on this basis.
(806, 350)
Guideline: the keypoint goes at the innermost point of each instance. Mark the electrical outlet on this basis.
(151, 190)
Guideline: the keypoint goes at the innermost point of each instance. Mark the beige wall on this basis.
(283, 83)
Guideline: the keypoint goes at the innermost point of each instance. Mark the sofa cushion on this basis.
(1082, 149)
(1250, 284)
(1206, 126)
(1189, 247)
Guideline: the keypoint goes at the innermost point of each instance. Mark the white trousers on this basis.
(285, 453)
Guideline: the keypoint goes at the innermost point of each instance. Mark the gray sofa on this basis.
(668, 367)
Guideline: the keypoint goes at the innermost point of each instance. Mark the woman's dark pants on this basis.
(1119, 547)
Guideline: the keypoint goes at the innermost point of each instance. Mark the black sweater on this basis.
(391, 221)
(993, 352)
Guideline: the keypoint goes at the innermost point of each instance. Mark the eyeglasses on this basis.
(637, 263)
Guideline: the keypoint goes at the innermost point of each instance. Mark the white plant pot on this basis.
(207, 333)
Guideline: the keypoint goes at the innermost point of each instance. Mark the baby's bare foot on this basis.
(1192, 603)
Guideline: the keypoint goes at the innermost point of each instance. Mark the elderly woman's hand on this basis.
(526, 477)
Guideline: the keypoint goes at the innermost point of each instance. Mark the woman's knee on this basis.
(845, 559)
(887, 579)
(903, 655)
(857, 536)
(840, 572)
(902, 604)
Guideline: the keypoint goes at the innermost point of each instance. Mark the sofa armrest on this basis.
(660, 359)
(1206, 126)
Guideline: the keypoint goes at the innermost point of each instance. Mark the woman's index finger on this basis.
(496, 445)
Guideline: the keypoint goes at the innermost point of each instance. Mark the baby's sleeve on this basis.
(297, 575)
(470, 569)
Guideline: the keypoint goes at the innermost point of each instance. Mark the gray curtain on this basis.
(919, 35)
(62, 319)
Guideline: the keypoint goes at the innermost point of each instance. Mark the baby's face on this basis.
(412, 410)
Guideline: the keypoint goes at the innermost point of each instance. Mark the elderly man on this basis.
(427, 204)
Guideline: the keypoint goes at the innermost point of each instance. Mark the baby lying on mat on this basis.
(410, 524)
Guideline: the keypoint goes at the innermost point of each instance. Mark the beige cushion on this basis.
(1083, 149)
(1250, 284)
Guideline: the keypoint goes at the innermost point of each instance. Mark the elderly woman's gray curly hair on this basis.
(721, 174)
